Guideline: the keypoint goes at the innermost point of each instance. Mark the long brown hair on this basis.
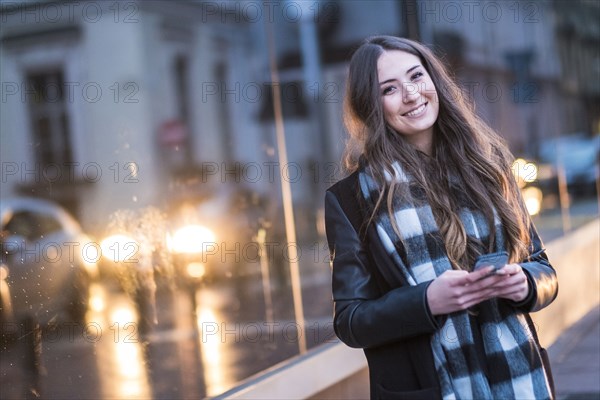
(464, 148)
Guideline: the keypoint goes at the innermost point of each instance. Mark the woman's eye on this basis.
(416, 75)
(388, 90)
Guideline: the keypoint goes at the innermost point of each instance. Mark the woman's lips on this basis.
(415, 112)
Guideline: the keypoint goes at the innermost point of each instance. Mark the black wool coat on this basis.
(376, 310)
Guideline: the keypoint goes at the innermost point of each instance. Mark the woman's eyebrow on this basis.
(413, 67)
(407, 72)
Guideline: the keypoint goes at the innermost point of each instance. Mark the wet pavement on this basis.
(186, 355)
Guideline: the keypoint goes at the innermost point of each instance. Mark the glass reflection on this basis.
(211, 349)
(97, 301)
(131, 379)
(120, 352)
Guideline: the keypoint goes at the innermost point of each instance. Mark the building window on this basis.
(47, 97)
(293, 101)
(227, 140)
(49, 119)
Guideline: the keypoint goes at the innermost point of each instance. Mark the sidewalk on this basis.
(575, 359)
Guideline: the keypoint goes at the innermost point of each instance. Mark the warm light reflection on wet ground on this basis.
(186, 355)
(211, 350)
(119, 356)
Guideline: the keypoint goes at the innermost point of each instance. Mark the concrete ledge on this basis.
(576, 258)
(303, 376)
(354, 387)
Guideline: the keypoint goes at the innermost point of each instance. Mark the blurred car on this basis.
(578, 156)
(213, 238)
(44, 274)
(199, 232)
(134, 255)
(198, 238)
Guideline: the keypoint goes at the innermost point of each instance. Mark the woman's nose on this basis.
(411, 92)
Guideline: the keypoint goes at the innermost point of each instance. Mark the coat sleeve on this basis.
(541, 275)
(364, 316)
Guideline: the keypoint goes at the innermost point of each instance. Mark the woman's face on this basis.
(409, 98)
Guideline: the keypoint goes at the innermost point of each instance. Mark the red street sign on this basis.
(172, 133)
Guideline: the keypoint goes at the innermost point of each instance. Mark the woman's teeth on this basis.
(416, 111)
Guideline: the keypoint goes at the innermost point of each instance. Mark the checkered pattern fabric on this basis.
(514, 366)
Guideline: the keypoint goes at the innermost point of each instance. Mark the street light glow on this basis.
(119, 248)
(190, 239)
(524, 171)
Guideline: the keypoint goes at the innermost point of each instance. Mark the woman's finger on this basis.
(475, 276)
(510, 269)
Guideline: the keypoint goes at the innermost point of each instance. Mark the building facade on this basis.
(108, 106)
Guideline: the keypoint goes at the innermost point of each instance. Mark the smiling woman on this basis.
(430, 198)
(409, 98)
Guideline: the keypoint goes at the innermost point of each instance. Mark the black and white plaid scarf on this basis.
(515, 368)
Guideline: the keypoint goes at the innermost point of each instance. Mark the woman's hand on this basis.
(458, 290)
(514, 286)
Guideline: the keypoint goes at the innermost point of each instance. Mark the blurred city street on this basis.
(186, 355)
(550, 223)
(163, 166)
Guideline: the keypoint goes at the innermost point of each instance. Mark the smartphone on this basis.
(497, 260)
